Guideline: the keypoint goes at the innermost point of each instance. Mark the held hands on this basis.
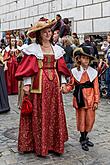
(64, 88)
(95, 106)
(26, 89)
(5, 68)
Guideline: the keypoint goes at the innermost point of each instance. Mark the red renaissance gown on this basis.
(45, 129)
(11, 82)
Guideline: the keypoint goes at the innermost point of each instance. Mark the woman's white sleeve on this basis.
(27, 80)
(63, 79)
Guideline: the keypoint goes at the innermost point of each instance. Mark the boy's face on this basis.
(84, 61)
(108, 39)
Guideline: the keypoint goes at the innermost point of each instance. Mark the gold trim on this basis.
(39, 90)
(40, 64)
(57, 77)
(1, 58)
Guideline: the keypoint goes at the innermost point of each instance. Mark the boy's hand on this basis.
(95, 106)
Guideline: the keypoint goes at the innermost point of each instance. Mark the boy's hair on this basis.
(77, 63)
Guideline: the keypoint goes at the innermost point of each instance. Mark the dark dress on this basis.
(4, 104)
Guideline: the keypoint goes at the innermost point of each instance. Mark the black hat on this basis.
(84, 50)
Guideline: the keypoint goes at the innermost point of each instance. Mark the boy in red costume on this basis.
(86, 94)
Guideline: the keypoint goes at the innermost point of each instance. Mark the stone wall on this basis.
(88, 16)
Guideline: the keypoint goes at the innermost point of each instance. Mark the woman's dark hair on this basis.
(58, 15)
(2, 41)
(39, 39)
(66, 20)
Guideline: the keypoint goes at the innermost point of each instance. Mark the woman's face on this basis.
(13, 42)
(46, 34)
(55, 36)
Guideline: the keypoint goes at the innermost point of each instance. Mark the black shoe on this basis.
(89, 143)
(84, 146)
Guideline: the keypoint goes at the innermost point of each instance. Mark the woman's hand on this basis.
(5, 68)
(26, 89)
(95, 106)
(64, 88)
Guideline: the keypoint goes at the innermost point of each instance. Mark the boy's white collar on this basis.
(92, 73)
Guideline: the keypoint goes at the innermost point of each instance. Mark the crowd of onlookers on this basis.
(64, 37)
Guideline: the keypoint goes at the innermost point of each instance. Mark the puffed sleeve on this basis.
(27, 67)
(62, 68)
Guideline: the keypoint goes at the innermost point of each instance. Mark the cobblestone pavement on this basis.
(98, 155)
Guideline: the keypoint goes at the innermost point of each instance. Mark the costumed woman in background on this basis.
(45, 129)
(4, 104)
(11, 64)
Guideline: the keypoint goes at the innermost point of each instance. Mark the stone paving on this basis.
(74, 155)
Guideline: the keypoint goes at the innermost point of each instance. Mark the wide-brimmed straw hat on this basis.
(42, 23)
(84, 50)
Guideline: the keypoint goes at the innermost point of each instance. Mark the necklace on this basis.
(46, 46)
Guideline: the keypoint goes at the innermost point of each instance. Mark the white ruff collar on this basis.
(92, 73)
(18, 47)
(35, 49)
(22, 47)
(7, 49)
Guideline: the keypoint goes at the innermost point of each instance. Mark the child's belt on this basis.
(78, 92)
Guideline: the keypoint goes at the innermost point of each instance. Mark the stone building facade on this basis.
(87, 16)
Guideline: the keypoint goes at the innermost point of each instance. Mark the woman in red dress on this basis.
(45, 129)
(10, 59)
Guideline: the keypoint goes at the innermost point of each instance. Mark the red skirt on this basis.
(11, 81)
(45, 129)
